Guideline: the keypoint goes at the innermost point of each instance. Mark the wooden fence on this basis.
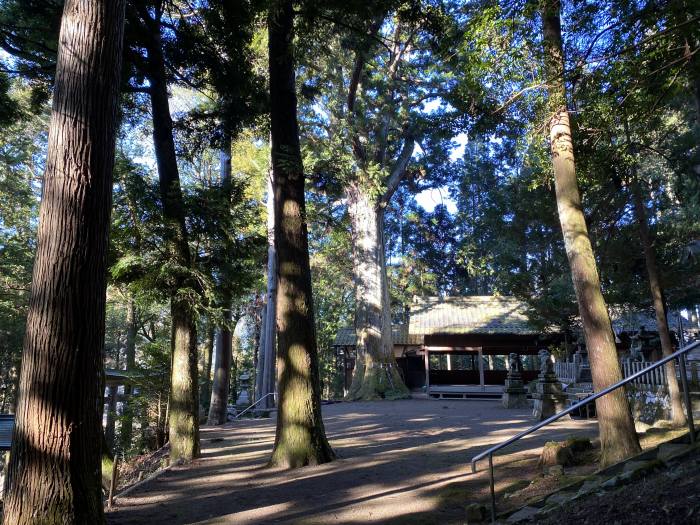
(566, 372)
(654, 378)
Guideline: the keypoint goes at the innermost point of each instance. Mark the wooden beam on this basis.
(426, 360)
(481, 370)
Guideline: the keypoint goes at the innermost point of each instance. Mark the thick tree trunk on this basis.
(300, 438)
(617, 433)
(54, 471)
(184, 404)
(657, 295)
(376, 374)
(128, 410)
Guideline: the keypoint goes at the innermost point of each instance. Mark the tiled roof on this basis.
(470, 315)
(347, 337)
(631, 320)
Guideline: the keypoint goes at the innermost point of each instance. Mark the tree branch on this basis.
(397, 174)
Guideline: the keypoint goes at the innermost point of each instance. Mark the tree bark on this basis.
(222, 371)
(184, 403)
(376, 374)
(128, 410)
(54, 471)
(222, 376)
(259, 362)
(657, 295)
(300, 437)
(269, 334)
(617, 433)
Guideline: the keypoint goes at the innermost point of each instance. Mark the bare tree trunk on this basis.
(184, 392)
(222, 377)
(54, 471)
(268, 382)
(222, 369)
(260, 361)
(617, 433)
(376, 374)
(657, 295)
(128, 410)
(300, 438)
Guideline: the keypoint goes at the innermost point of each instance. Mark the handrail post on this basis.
(636, 373)
(686, 395)
(493, 490)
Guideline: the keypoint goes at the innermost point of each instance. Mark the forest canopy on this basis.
(282, 170)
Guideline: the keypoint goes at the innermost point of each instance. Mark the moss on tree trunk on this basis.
(376, 374)
(184, 391)
(617, 433)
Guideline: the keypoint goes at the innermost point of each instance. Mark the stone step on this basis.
(670, 450)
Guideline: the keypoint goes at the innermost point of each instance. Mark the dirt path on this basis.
(399, 462)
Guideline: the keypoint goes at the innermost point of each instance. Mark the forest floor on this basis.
(398, 462)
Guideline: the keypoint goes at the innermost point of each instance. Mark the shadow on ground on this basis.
(399, 462)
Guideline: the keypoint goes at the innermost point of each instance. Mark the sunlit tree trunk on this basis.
(657, 295)
(54, 471)
(617, 433)
(184, 392)
(376, 373)
(300, 438)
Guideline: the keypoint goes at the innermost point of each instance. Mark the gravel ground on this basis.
(399, 462)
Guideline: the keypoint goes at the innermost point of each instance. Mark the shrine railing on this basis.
(566, 372)
(679, 355)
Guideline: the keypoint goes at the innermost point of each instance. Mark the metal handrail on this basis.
(251, 406)
(679, 354)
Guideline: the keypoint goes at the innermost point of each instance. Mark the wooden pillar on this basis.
(481, 369)
(345, 371)
(426, 360)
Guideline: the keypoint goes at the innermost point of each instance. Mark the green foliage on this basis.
(21, 165)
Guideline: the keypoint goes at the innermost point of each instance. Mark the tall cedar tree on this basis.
(54, 472)
(184, 394)
(222, 367)
(127, 421)
(300, 438)
(376, 374)
(617, 434)
(657, 296)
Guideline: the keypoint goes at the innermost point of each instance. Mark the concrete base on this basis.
(546, 405)
(515, 400)
(549, 397)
